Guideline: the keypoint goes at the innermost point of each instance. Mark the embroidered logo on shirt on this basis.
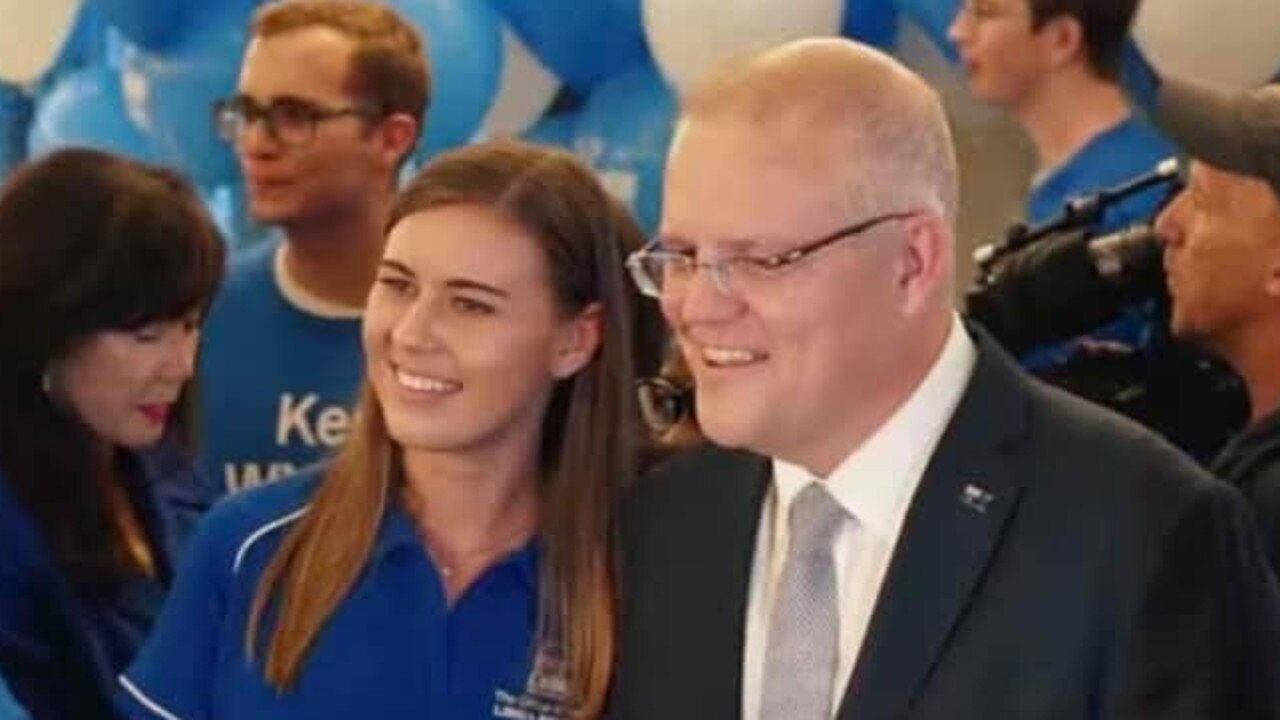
(545, 693)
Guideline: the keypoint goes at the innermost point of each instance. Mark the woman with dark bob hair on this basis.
(106, 268)
(456, 559)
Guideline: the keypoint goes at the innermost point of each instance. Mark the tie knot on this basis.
(814, 519)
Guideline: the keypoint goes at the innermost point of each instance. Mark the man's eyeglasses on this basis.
(656, 270)
(289, 121)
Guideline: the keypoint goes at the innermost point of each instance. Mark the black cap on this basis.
(1237, 132)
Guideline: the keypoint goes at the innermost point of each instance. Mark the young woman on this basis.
(106, 267)
(456, 558)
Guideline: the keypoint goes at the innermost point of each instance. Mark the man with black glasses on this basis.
(330, 102)
(898, 522)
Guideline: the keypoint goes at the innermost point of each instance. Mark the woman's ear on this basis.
(578, 341)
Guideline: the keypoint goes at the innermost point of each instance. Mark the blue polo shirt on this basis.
(393, 649)
(277, 379)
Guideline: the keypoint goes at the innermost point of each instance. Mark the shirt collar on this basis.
(1096, 143)
(301, 299)
(398, 532)
(876, 481)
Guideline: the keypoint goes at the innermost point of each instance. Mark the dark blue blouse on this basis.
(61, 650)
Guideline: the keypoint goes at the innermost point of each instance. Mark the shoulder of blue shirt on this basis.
(247, 267)
(239, 520)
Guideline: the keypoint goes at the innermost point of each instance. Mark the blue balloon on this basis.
(151, 24)
(86, 109)
(557, 129)
(85, 45)
(624, 132)
(464, 46)
(874, 22)
(171, 94)
(16, 109)
(582, 42)
(934, 17)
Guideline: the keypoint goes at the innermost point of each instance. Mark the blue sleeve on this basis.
(9, 708)
(29, 631)
(173, 674)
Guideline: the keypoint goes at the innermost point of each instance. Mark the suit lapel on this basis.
(948, 537)
(721, 565)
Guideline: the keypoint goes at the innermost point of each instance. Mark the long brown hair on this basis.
(588, 432)
(88, 242)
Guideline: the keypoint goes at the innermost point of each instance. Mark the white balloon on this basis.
(525, 90)
(690, 37)
(1229, 44)
(32, 32)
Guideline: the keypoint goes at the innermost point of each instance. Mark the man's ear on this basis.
(1066, 42)
(1273, 281)
(1262, 204)
(578, 340)
(396, 136)
(1272, 259)
(924, 266)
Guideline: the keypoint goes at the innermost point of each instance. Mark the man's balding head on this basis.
(847, 102)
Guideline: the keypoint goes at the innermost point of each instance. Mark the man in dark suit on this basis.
(898, 523)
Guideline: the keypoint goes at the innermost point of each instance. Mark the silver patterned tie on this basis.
(804, 631)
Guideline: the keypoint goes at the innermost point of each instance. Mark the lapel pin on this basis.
(976, 498)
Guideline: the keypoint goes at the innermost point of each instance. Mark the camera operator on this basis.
(1065, 277)
(1222, 259)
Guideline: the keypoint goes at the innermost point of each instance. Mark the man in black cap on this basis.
(1222, 259)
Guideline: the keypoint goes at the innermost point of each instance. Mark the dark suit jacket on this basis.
(1107, 577)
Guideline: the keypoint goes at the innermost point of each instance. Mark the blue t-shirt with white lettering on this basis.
(393, 649)
(277, 382)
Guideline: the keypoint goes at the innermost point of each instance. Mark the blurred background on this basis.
(600, 77)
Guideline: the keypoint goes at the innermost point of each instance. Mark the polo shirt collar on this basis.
(399, 531)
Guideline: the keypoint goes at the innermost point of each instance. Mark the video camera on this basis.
(1060, 280)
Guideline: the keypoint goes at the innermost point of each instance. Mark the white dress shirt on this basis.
(874, 485)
